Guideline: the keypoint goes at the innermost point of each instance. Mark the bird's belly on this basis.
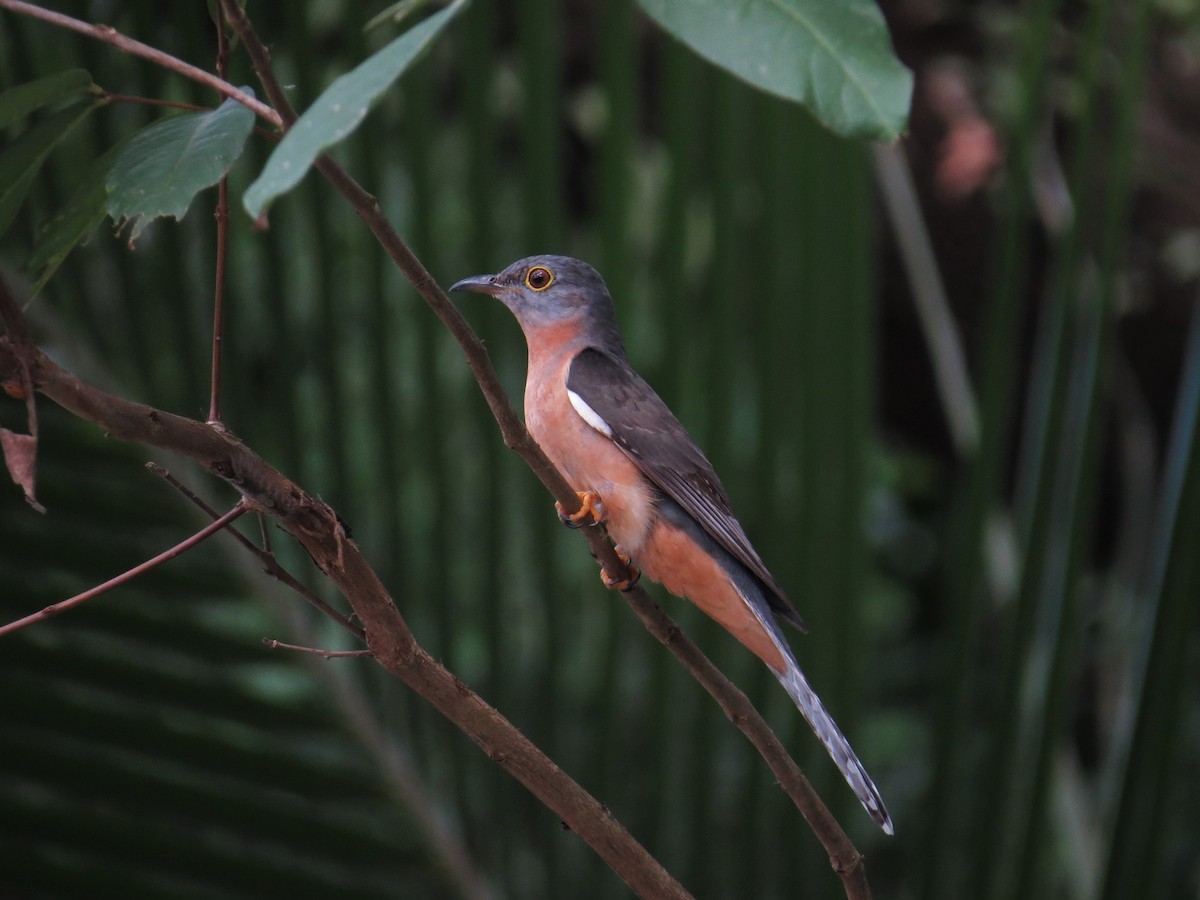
(592, 462)
(672, 557)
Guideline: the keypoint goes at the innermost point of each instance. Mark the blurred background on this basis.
(951, 386)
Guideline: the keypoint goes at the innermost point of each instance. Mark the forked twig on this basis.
(315, 651)
(265, 556)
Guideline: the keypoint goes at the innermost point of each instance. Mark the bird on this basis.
(636, 470)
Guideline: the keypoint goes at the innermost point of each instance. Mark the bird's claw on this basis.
(621, 584)
(590, 507)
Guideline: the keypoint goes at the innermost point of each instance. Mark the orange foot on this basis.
(621, 584)
(591, 507)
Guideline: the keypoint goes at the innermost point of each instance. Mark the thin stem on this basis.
(55, 609)
(222, 216)
(265, 556)
(315, 651)
(110, 35)
(265, 535)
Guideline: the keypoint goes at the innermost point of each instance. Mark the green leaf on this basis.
(167, 164)
(74, 223)
(339, 111)
(21, 161)
(834, 57)
(18, 102)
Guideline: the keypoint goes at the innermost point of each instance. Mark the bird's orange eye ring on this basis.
(539, 278)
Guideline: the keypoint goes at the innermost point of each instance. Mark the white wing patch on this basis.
(588, 414)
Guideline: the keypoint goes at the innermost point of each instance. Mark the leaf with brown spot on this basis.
(20, 455)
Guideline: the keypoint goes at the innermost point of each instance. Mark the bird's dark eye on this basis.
(539, 278)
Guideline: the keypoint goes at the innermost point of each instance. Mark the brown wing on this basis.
(640, 423)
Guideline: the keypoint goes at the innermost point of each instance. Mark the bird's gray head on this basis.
(545, 291)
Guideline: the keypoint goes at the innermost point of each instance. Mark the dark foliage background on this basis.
(1003, 616)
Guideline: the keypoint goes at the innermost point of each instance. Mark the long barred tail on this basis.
(835, 742)
(756, 595)
(813, 709)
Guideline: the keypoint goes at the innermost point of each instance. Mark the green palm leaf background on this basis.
(998, 561)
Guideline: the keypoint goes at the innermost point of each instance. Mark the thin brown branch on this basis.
(265, 535)
(315, 651)
(222, 217)
(110, 35)
(260, 59)
(264, 555)
(314, 525)
(55, 609)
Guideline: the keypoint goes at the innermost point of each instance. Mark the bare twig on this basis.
(110, 35)
(222, 217)
(315, 651)
(265, 535)
(265, 556)
(55, 609)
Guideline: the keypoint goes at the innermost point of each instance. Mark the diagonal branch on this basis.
(110, 35)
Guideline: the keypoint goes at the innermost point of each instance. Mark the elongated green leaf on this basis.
(20, 163)
(74, 223)
(20, 101)
(834, 57)
(167, 164)
(339, 111)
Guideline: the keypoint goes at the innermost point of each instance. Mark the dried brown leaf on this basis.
(20, 456)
